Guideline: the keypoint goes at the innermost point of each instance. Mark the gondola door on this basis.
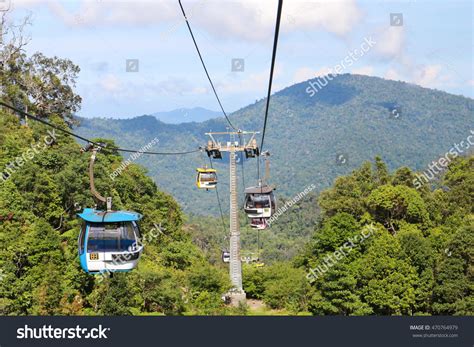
(96, 247)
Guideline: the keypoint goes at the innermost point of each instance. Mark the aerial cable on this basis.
(219, 202)
(275, 44)
(204, 66)
(242, 142)
(258, 169)
(258, 244)
(99, 145)
(243, 171)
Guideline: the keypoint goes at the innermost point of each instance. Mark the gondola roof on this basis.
(205, 170)
(96, 216)
(259, 190)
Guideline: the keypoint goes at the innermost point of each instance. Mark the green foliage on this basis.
(418, 260)
(115, 298)
(391, 204)
(280, 286)
(254, 279)
(286, 287)
(39, 231)
(44, 85)
(337, 294)
(454, 285)
(335, 231)
(388, 282)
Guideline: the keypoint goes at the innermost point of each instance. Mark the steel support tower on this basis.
(213, 149)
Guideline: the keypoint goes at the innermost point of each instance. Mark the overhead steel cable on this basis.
(242, 142)
(153, 153)
(30, 116)
(275, 44)
(219, 202)
(204, 66)
(243, 171)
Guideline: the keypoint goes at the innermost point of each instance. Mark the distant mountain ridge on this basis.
(354, 118)
(186, 115)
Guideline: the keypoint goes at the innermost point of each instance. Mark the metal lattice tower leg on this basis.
(235, 267)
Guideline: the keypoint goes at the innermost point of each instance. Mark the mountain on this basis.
(312, 139)
(186, 115)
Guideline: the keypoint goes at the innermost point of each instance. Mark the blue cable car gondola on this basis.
(109, 241)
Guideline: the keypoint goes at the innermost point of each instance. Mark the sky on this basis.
(429, 43)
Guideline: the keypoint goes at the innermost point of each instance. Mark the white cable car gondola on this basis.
(109, 241)
(206, 178)
(260, 202)
(225, 256)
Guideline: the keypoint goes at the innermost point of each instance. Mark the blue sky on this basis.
(433, 48)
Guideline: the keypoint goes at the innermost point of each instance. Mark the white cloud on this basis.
(115, 13)
(111, 83)
(303, 74)
(176, 86)
(134, 86)
(251, 20)
(307, 73)
(254, 20)
(391, 74)
(364, 70)
(254, 82)
(337, 17)
(390, 42)
(428, 76)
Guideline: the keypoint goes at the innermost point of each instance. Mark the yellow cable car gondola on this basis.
(206, 178)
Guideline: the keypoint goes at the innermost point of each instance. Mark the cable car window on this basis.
(110, 237)
(273, 199)
(128, 236)
(136, 228)
(259, 201)
(207, 177)
(82, 238)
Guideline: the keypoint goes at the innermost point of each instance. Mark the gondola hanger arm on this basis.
(97, 195)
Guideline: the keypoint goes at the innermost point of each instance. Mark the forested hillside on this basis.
(382, 247)
(353, 118)
(39, 230)
(417, 260)
(44, 184)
